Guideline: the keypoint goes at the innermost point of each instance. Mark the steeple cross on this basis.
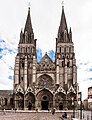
(63, 3)
(29, 5)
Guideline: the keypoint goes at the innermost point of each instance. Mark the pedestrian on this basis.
(64, 115)
(53, 111)
(4, 111)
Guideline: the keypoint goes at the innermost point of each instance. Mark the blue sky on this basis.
(46, 16)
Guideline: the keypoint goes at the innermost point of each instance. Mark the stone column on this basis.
(25, 74)
(34, 69)
(36, 103)
(16, 71)
(15, 102)
(57, 71)
(66, 101)
(74, 74)
(25, 104)
(65, 71)
(53, 100)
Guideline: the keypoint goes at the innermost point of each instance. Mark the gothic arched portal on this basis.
(30, 101)
(20, 100)
(44, 99)
(71, 100)
(60, 100)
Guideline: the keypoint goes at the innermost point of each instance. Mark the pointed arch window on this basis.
(68, 64)
(65, 36)
(22, 78)
(72, 49)
(69, 83)
(60, 49)
(21, 50)
(26, 37)
(22, 64)
(65, 49)
(26, 49)
(63, 63)
(59, 36)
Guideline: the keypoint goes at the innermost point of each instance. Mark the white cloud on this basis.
(84, 88)
(5, 83)
(84, 77)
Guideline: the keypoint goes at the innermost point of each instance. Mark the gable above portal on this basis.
(46, 64)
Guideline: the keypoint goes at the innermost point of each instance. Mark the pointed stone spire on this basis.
(28, 25)
(70, 30)
(70, 35)
(63, 23)
(21, 37)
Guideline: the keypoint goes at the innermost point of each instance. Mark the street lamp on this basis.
(80, 109)
(73, 106)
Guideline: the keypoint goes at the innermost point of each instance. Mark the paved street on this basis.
(31, 115)
(8, 115)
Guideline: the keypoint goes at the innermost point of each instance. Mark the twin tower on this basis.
(46, 84)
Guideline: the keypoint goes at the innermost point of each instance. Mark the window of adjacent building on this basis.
(5, 99)
(11, 101)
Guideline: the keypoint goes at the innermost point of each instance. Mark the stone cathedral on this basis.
(46, 84)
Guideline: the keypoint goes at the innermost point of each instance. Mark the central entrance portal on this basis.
(44, 105)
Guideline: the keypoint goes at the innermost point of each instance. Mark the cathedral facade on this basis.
(46, 84)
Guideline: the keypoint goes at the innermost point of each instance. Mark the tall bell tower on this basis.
(25, 64)
(66, 69)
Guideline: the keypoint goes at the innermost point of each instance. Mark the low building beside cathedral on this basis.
(46, 84)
